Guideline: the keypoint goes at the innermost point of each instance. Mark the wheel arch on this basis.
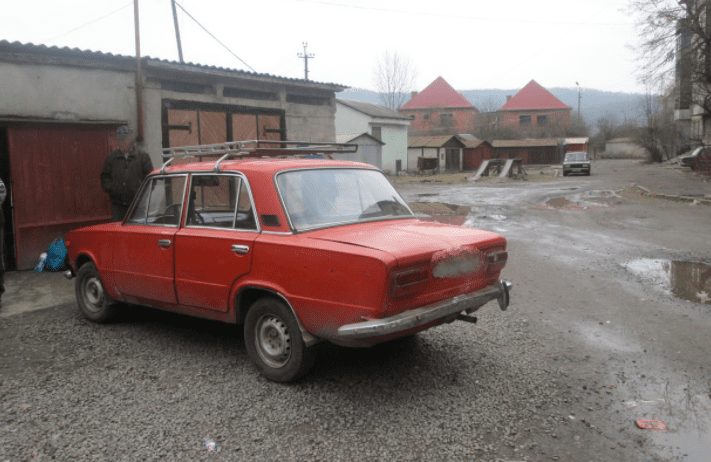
(246, 296)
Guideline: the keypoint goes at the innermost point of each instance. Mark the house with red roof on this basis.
(439, 109)
(534, 110)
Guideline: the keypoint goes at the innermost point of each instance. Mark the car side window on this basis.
(245, 214)
(161, 202)
(213, 199)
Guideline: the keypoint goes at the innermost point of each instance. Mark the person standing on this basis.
(123, 172)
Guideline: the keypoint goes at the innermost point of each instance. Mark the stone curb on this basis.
(672, 197)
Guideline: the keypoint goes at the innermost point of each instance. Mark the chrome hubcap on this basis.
(94, 293)
(273, 341)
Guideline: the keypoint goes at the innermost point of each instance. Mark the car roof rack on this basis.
(255, 148)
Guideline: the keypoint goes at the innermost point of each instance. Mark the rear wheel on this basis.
(93, 301)
(274, 342)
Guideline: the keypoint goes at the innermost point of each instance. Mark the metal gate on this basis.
(55, 182)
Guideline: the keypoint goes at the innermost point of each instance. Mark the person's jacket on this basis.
(123, 175)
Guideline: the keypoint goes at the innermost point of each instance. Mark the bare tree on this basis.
(394, 77)
(675, 36)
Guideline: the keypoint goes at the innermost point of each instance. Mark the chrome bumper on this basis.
(426, 314)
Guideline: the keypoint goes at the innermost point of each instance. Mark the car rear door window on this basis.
(220, 201)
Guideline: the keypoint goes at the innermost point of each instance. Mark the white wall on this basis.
(393, 133)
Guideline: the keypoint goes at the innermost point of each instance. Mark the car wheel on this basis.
(274, 342)
(565, 173)
(93, 301)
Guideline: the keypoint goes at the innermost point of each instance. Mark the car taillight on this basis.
(406, 280)
(496, 260)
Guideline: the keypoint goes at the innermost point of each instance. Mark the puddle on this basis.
(442, 212)
(686, 409)
(585, 200)
(685, 279)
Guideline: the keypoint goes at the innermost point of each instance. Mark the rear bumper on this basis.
(417, 317)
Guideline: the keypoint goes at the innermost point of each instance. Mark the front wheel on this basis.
(93, 301)
(274, 342)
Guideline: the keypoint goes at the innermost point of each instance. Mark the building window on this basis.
(524, 120)
(377, 133)
(307, 99)
(542, 120)
(446, 119)
(426, 116)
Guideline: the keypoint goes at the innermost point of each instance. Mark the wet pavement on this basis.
(620, 285)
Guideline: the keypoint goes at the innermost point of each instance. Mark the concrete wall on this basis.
(60, 93)
(393, 133)
(66, 93)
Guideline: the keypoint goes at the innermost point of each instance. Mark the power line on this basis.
(215, 38)
(459, 16)
(88, 23)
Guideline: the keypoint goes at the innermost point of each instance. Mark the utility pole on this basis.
(306, 56)
(139, 75)
(578, 85)
(177, 32)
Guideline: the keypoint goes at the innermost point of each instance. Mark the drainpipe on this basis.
(139, 76)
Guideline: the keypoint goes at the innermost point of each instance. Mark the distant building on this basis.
(475, 151)
(438, 153)
(370, 149)
(535, 111)
(439, 109)
(390, 127)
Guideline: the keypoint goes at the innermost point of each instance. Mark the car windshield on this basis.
(576, 156)
(324, 197)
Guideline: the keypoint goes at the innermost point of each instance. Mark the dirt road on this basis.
(592, 261)
(597, 336)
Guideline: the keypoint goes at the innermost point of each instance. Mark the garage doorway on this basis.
(9, 243)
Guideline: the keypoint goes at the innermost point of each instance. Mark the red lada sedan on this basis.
(296, 250)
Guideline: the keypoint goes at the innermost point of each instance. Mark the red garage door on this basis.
(55, 184)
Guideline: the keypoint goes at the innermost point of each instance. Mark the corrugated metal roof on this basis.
(373, 110)
(578, 140)
(470, 141)
(533, 96)
(526, 143)
(430, 141)
(438, 94)
(348, 137)
(100, 56)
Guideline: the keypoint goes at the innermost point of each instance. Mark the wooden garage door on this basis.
(55, 174)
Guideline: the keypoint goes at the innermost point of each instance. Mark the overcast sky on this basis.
(473, 44)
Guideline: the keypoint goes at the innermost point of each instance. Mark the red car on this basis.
(297, 250)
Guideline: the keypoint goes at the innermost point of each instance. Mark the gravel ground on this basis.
(586, 348)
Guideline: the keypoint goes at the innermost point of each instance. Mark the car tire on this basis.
(94, 303)
(565, 173)
(274, 342)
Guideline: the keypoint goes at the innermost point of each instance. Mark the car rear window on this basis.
(324, 197)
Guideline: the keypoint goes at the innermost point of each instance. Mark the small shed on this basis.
(577, 144)
(446, 149)
(370, 149)
(475, 151)
(531, 150)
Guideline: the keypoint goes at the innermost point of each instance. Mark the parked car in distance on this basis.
(576, 162)
(295, 250)
(689, 159)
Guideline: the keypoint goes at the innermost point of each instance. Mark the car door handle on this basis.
(164, 243)
(240, 249)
